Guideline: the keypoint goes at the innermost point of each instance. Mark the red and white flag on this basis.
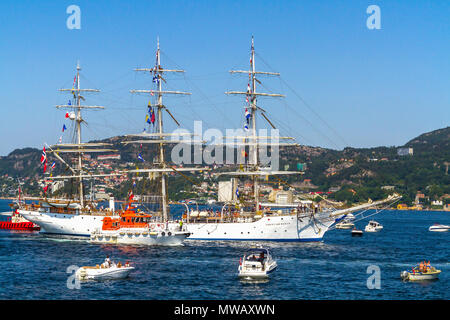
(43, 156)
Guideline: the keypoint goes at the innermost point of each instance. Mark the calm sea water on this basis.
(33, 266)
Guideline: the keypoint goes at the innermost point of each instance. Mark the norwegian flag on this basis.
(43, 156)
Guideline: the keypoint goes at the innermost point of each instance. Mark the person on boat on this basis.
(261, 257)
(107, 262)
(127, 264)
(181, 224)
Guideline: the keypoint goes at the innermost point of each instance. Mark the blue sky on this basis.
(366, 87)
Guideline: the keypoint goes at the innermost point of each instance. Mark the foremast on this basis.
(78, 147)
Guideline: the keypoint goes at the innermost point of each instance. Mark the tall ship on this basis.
(75, 215)
(251, 221)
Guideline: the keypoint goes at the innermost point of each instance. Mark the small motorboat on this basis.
(439, 228)
(373, 226)
(350, 217)
(422, 272)
(345, 224)
(106, 271)
(256, 264)
(356, 232)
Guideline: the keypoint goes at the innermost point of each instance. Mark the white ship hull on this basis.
(268, 228)
(64, 224)
(139, 236)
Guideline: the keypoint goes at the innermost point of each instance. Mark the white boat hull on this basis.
(92, 273)
(370, 229)
(256, 274)
(440, 228)
(418, 276)
(64, 224)
(136, 236)
(268, 228)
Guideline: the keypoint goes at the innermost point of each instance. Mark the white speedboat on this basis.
(104, 272)
(373, 226)
(420, 274)
(439, 228)
(345, 225)
(256, 264)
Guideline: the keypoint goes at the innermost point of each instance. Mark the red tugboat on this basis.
(17, 222)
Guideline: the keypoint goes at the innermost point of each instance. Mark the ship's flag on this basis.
(60, 139)
(67, 115)
(237, 193)
(246, 127)
(151, 92)
(53, 165)
(64, 128)
(140, 157)
(45, 189)
(152, 114)
(43, 156)
(70, 103)
(248, 88)
(155, 79)
(247, 115)
(45, 165)
(147, 119)
(74, 80)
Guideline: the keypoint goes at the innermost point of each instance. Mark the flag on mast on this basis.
(247, 115)
(64, 128)
(43, 156)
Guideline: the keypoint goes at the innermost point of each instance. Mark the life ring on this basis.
(152, 226)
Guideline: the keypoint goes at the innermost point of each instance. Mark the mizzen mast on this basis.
(252, 95)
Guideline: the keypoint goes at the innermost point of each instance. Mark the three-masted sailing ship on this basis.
(254, 223)
(74, 216)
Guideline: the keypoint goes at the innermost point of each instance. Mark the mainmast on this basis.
(252, 95)
(158, 71)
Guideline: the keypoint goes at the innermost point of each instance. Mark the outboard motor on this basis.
(404, 275)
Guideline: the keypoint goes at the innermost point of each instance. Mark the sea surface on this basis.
(34, 266)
